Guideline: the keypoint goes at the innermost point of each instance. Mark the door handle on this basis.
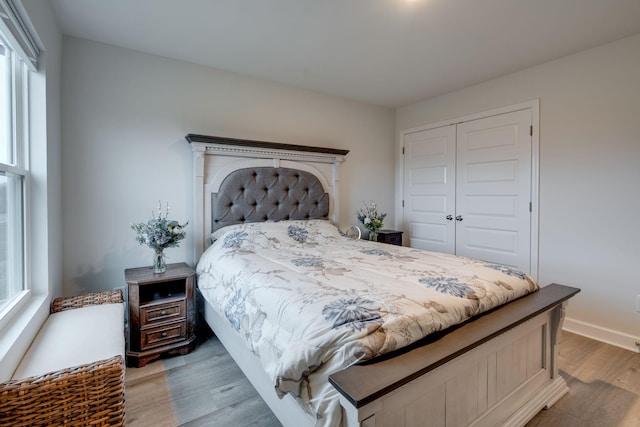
(449, 217)
(458, 217)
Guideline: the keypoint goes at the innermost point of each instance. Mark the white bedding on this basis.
(309, 301)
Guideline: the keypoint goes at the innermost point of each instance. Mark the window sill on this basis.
(16, 336)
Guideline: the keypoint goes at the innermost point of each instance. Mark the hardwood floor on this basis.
(203, 388)
(604, 383)
(206, 388)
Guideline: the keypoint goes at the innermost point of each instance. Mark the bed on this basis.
(396, 355)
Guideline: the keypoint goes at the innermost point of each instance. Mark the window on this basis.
(14, 176)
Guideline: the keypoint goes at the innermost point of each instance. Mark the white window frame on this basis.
(12, 34)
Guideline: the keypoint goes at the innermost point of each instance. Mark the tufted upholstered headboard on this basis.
(268, 194)
(239, 181)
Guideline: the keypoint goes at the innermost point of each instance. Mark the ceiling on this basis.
(383, 52)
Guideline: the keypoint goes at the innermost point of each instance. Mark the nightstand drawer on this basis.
(163, 335)
(160, 313)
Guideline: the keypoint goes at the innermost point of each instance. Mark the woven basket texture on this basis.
(68, 303)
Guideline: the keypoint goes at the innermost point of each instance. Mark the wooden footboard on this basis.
(499, 369)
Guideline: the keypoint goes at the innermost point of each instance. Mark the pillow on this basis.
(300, 231)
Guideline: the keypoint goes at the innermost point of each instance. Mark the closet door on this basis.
(493, 189)
(429, 188)
(467, 189)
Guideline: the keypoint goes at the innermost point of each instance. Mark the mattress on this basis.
(309, 301)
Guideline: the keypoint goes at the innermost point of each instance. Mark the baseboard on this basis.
(598, 333)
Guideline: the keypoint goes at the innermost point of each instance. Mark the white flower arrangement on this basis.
(369, 216)
(159, 232)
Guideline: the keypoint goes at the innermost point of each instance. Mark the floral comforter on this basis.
(309, 301)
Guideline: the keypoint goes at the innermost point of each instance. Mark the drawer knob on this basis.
(164, 334)
(163, 313)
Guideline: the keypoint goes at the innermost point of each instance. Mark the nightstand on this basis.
(161, 313)
(390, 236)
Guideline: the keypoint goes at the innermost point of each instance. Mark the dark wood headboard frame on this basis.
(219, 140)
(215, 158)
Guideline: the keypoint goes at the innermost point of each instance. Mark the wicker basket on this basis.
(87, 395)
(96, 298)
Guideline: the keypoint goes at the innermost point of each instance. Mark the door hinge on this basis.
(402, 150)
(403, 203)
(530, 207)
(531, 130)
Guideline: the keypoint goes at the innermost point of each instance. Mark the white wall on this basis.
(589, 175)
(125, 115)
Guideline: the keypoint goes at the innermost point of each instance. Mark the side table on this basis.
(393, 237)
(161, 313)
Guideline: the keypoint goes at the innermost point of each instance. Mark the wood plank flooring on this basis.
(206, 388)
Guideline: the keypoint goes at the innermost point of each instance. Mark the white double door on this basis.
(467, 189)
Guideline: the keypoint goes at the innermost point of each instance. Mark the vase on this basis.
(373, 236)
(158, 262)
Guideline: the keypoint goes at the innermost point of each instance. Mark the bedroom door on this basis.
(467, 189)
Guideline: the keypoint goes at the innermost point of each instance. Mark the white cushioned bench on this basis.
(73, 372)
